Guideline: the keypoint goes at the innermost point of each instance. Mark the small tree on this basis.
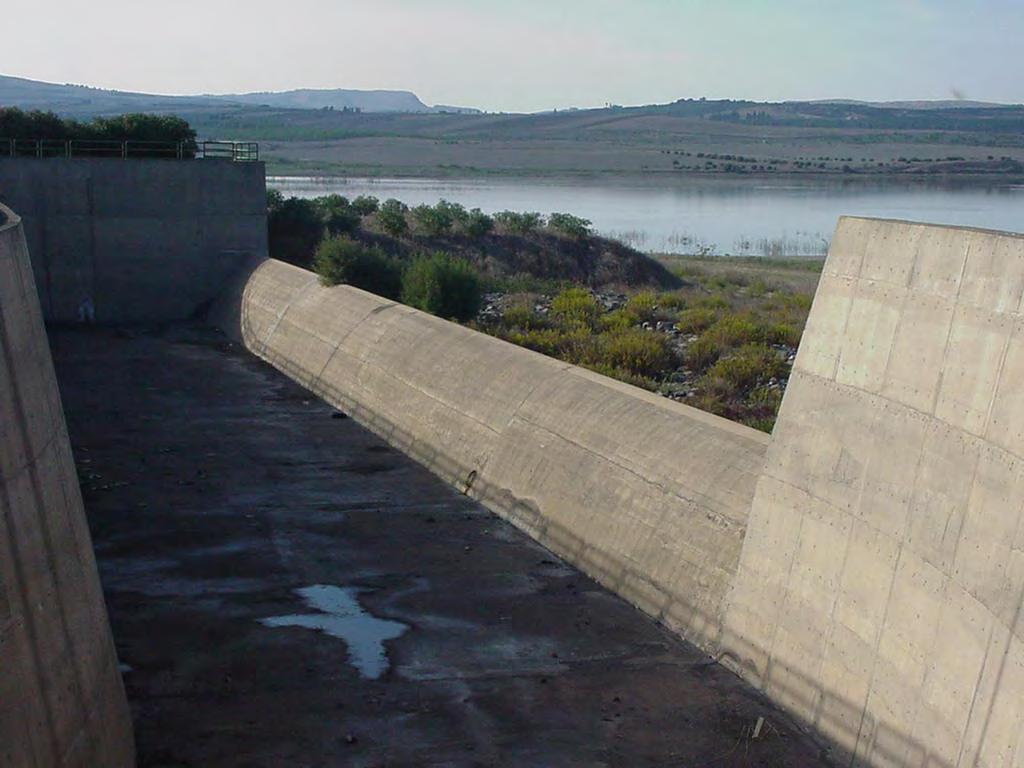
(433, 220)
(477, 223)
(338, 215)
(569, 225)
(391, 217)
(343, 260)
(294, 229)
(364, 205)
(442, 285)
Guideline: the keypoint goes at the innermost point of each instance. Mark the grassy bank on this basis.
(724, 342)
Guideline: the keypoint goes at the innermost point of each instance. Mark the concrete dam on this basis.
(861, 569)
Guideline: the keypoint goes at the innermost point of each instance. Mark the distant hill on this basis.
(84, 101)
(339, 98)
(940, 104)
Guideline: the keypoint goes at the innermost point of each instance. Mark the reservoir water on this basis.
(757, 217)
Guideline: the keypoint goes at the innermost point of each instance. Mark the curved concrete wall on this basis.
(648, 496)
(881, 581)
(61, 697)
(141, 240)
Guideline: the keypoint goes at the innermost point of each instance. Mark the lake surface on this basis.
(763, 217)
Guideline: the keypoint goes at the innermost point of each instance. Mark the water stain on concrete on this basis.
(341, 616)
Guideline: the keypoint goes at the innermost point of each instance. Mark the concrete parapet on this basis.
(880, 586)
(648, 496)
(140, 240)
(61, 698)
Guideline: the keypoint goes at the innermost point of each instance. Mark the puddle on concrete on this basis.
(342, 617)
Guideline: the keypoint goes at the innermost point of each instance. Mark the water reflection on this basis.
(340, 615)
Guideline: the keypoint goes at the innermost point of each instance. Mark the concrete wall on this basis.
(61, 698)
(881, 581)
(648, 496)
(137, 240)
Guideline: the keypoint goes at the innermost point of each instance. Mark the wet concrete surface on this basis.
(219, 493)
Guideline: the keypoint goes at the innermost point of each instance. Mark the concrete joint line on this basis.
(647, 480)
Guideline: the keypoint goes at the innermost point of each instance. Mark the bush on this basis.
(735, 330)
(442, 285)
(644, 306)
(696, 319)
(569, 225)
(477, 223)
(343, 260)
(576, 307)
(573, 345)
(338, 215)
(671, 301)
(391, 217)
(618, 320)
(737, 374)
(522, 316)
(783, 333)
(364, 205)
(636, 351)
(20, 124)
(294, 229)
(519, 223)
(702, 353)
(433, 220)
(456, 212)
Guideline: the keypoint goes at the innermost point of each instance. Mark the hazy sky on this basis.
(526, 55)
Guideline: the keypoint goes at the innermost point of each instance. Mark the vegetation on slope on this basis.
(510, 246)
(724, 342)
(716, 333)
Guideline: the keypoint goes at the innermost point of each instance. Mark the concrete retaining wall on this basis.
(61, 697)
(135, 240)
(881, 581)
(648, 496)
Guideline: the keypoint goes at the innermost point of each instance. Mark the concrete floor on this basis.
(217, 489)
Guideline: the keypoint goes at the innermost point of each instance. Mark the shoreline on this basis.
(661, 178)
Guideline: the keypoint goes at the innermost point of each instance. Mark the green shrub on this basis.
(577, 307)
(644, 306)
(636, 351)
(702, 353)
(714, 301)
(749, 366)
(364, 205)
(696, 319)
(573, 345)
(343, 260)
(618, 320)
(569, 225)
(442, 285)
(16, 123)
(477, 223)
(519, 223)
(456, 212)
(734, 330)
(783, 333)
(671, 301)
(522, 316)
(432, 220)
(338, 215)
(391, 217)
(294, 229)
(758, 288)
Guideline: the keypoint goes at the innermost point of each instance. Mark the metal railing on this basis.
(236, 151)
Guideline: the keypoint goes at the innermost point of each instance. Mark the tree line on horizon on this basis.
(31, 125)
